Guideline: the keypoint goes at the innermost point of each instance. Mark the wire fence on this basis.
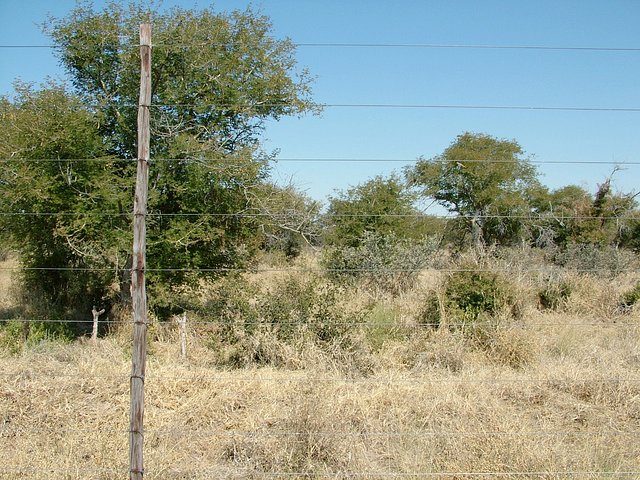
(583, 437)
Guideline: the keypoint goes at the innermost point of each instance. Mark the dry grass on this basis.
(552, 394)
(6, 275)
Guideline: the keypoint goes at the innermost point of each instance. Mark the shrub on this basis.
(262, 325)
(630, 298)
(383, 326)
(554, 294)
(12, 336)
(382, 263)
(590, 258)
(308, 305)
(15, 335)
(467, 298)
(233, 309)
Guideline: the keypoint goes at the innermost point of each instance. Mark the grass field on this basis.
(553, 394)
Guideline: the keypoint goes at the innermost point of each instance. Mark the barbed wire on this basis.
(329, 160)
(301, 376)
(346, 45)
(446, 474)
(170, 432)
(552, 214)
(238, 472)
(418, 106)
(319, 270)
(401, 106)
(362, 323)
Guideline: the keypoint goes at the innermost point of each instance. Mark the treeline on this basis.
(492, 196)
(68, 172)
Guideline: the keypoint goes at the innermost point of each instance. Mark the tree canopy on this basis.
(216, 77)
(381, 205)
(68, 150)
(488, 182)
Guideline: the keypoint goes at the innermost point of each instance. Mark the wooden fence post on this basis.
(96, 315)
(138, 287)
(182, 323)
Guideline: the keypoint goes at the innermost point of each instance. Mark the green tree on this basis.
(487, 182)
(56, 211)
(571, 215)
(217, 78)
(383, 206)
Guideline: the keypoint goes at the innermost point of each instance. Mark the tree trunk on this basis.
(477, 231)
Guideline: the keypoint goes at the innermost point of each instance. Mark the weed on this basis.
(630, 298)
(382, 326)
(554, 294)
(382, 263)
(469, 297)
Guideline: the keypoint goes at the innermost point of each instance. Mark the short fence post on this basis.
(182, 323)
(96, 314)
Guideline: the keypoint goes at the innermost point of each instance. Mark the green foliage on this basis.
(630, 298)
(381, 263)
(486, 181)
(571, 215)
(16, 335)
(217, 77)
(63, 213)
(555, 293)
(293, 312)
(474, 303)
(210, 107)
(310, 306)
(233, 309)
(382, 326)
(382, 206)
(469, 298)
(12, 336)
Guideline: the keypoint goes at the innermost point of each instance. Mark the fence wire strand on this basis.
(25, 375)
(328, 160)
(341, 45)
(173, 432)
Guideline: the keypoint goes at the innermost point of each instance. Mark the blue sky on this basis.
(442, 76)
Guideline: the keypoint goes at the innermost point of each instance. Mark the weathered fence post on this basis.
(182, 323)
(96, 315)
(138, 287)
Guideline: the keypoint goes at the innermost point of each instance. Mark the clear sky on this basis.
(429, 76)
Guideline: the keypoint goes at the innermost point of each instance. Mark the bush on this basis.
(262, 326)
(232, 309)
(554, 294)
(15, 335)
(383, 326)
(382, 263)
(307, 306)
(467, 298)
(630, 298)
(12, 337)
(590, 258)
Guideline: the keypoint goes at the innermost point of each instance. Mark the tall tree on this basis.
(381, 205)
(217, 78)
(59, 210)
(488, 182)
(606, 218)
